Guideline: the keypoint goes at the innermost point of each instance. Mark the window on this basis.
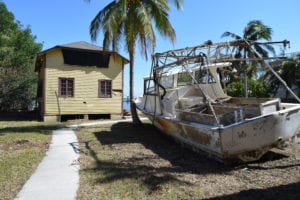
(184, 79)
(149, 86)
(85, 58)
(66, 87)
(105, 88)
(167, 81)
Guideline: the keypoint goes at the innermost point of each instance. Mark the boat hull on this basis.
(246, 141)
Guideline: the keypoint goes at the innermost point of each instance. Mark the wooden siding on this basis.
(85, 100)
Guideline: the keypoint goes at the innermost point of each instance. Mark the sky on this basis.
(56, 22)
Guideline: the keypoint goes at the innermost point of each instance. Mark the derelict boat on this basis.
(184, 98)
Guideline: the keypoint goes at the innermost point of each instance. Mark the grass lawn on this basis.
(22, 147)
(124, 161)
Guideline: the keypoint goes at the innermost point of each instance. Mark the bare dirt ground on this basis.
(155, 167)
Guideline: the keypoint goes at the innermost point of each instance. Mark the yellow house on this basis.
(79, 80)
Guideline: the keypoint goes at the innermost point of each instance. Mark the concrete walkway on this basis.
(103, 122)
(57, 176)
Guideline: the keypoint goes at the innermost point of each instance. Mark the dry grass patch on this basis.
(124, 161)
(22, 147)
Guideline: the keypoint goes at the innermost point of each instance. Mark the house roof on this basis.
(81, 45)
(84, 46)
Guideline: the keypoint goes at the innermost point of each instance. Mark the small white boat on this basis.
(184, 98)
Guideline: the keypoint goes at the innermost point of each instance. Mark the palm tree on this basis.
(131, 21)
(254, 32)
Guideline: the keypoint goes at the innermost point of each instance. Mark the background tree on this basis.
(257, 88)
(17, 55)
(254, 32)
(131, 22)
(289, 71)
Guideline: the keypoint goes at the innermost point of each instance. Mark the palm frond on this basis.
(159, 13)
(256, 30)
(113, 25)
(146, 35)
(178, 3)
(261, 50)
(230, 34)
(133, 22)
(269, 48)
(97, 22)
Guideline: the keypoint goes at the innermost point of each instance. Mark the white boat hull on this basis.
(247, 140)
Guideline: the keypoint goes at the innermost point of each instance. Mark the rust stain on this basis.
(161, 122)
(197, 136)
(242, 134)
(188, 132)
(167, 126)
(260, 125)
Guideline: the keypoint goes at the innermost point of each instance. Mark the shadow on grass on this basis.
(166, 148)
(182, 160)
(42, 129)
(286, 192)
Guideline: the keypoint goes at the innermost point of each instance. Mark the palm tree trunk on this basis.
(135, 117)
(245, 75)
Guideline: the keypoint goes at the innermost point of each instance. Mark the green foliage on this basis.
(184, 79)
(131, 23)
(288, 70)
(255, 31)
(17, 55)
(256, 88)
